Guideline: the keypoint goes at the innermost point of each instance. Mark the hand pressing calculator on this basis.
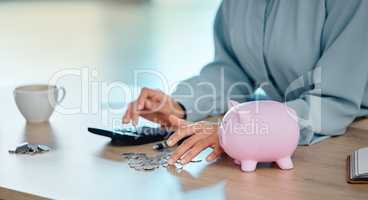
(130, 137)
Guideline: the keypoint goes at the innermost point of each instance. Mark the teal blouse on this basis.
(310, 54)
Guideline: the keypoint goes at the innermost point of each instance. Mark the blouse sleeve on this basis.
(207, 93)
(340, 76)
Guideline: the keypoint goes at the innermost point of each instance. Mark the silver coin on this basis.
(32, 148)
(43, 148)
(132, 164)
(154, 164)
(149, 167)
(132, 154)
(138, 168)
(22, 148)
(136, 156)
(135, 162)
(162, 162)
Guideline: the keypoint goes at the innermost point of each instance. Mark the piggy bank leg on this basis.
(285, 163)
(248, 165)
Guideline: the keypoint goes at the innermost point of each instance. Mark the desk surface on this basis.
(85, 166)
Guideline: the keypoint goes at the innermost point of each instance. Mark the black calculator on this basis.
(129, 137)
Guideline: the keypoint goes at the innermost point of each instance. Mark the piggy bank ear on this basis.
(232, 103)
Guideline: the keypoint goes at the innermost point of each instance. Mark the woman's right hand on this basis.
(153, 105)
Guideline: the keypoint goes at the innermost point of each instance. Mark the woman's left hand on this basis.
(201, 135)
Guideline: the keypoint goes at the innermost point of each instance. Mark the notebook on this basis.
(357, 165)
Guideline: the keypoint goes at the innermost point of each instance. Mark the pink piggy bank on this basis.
(259, 131)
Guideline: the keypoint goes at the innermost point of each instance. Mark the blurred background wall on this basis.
(111, 39)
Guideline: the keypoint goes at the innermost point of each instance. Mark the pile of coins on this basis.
(30, 149)
(141, 161)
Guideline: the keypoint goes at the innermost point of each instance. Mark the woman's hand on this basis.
(153, 105)
(201, 136)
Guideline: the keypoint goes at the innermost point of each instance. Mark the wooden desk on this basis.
(85, 166)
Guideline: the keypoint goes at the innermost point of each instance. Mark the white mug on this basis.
(37, 102)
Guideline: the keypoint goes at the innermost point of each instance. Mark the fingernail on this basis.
(169, 143)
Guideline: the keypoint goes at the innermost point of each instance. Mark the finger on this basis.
(134, 113)
(127, 115)
(157, 118)
(176, 122)
(194, 151)
(157, 95)
(144, 95)
(217, 151)
(147, 108)
(180, 134)
(182, 149)
(150, 106)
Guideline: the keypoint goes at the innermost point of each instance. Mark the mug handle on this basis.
(62, 97)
